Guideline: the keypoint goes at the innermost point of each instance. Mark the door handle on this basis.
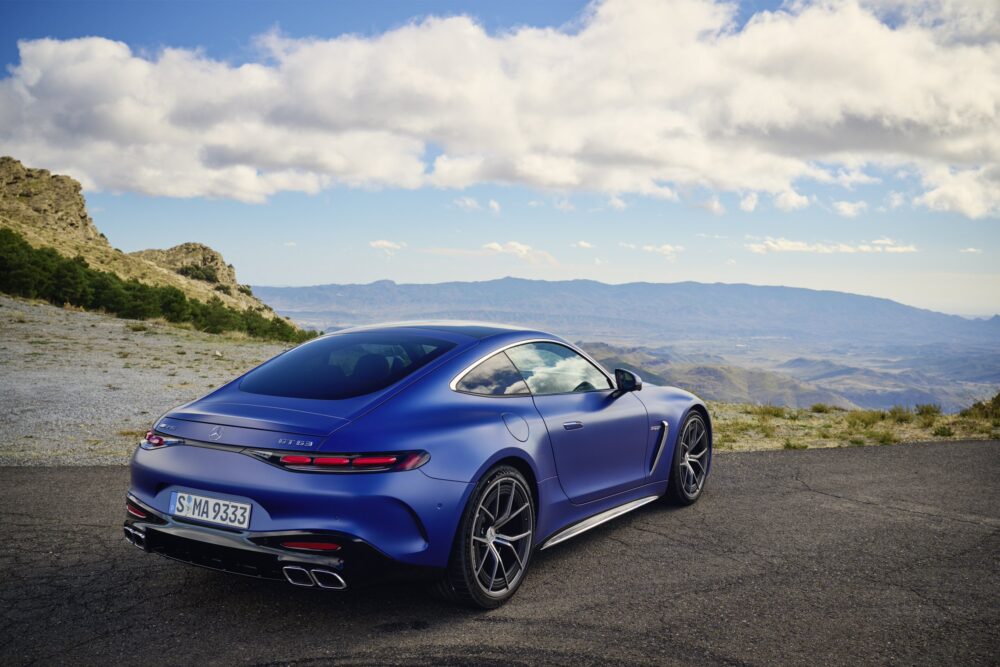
(572, 426)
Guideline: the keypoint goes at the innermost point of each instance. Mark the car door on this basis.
(598, 439)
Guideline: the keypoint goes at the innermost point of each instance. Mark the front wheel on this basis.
(493, 545)
(692, 458)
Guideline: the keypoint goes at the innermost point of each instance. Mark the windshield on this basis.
(344, 366)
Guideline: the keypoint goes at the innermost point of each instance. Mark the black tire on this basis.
(478, 539)
(685, 486)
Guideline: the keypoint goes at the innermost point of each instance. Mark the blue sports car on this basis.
(447, 450)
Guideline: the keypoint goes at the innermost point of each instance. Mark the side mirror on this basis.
(627, 381)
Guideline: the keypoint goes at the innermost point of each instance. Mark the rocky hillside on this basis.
(49, 210)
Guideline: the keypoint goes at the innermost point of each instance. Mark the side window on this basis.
(494, 377)
(549, 368)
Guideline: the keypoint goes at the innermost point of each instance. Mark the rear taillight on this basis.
(155, 441)
(135, 510)
(345, 462)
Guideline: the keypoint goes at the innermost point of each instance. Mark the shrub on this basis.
(820, 408)
(198, 272)
(225, 289)
(943, 431)
(984, 409)
(926, 421)
(42, 273)
(900, 414)
(927, 409)
(859, 419)
(883, 437)
(794, 445)
(767, 411)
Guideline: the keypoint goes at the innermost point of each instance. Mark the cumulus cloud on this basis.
(777, 245)
(634, 97)
(583, 244)
(521, 251)
(849, 209)
(617, 203)
(748, 202)
(714, 206)
(388, 247)
(467, 203)
(494, 206)
(667, 250)
(971, 251)
(789, 200)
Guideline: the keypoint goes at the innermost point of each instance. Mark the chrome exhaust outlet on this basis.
(327, 579)
(135, 537)
(298, 576)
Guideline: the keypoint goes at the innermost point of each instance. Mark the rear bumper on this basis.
(257, 554)
(406, 517)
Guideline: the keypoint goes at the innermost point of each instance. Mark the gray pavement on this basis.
(886, 555)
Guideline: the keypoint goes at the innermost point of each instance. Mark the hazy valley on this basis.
(779, 345)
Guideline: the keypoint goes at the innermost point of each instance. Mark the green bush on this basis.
(984, 409)
(864, 418)
(927, 409)
(767, 411)
(820, 408)
(42, 273)
(197, 272)
(943, 432)
(900, 414)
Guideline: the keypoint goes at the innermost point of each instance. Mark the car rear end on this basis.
(249, 483)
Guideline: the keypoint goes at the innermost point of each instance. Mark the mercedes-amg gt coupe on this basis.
(452, 451)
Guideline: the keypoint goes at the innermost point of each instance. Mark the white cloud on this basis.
(714, 206)
(895, 200)
(534, 203)
(564, 205)
(617, 203)
(692, 102)
(583, 244)
(772, 245)
(290, 244)
(667, 250)
(521, 251)
(972, 251)
(973, 192)
(388, 247)
(628, 246)
(467, 203)
(790, 200)
(494, 206)
(849, 209)
(748, 202)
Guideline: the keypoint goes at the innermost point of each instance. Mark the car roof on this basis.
(478, 330)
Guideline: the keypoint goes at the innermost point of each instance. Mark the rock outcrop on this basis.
(50, 210)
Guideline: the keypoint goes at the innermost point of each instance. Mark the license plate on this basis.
(212, 510)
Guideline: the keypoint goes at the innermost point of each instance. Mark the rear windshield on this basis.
(344, 365)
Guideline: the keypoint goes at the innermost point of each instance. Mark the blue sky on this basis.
(659, 156)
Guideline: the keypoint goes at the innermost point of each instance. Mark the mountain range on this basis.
(739, 342)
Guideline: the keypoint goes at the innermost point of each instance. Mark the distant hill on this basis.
(784, 345)
(637, 312)
(49, 211)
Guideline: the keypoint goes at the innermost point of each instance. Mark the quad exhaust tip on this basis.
(135, 537)
(300, 576)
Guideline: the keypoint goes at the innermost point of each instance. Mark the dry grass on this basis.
(739, 427)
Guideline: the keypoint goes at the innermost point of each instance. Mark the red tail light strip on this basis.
(345, 462)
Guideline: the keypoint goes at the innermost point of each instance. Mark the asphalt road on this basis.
(842, 556)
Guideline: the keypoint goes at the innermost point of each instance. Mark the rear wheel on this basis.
(692, 457)
(493, 545)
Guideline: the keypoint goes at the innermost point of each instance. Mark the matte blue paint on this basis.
(412, 516)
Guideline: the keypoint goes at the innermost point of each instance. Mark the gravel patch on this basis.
(81, 388)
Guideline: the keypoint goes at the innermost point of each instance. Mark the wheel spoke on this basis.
(513, 538)
(510, 516)
(516, 554)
